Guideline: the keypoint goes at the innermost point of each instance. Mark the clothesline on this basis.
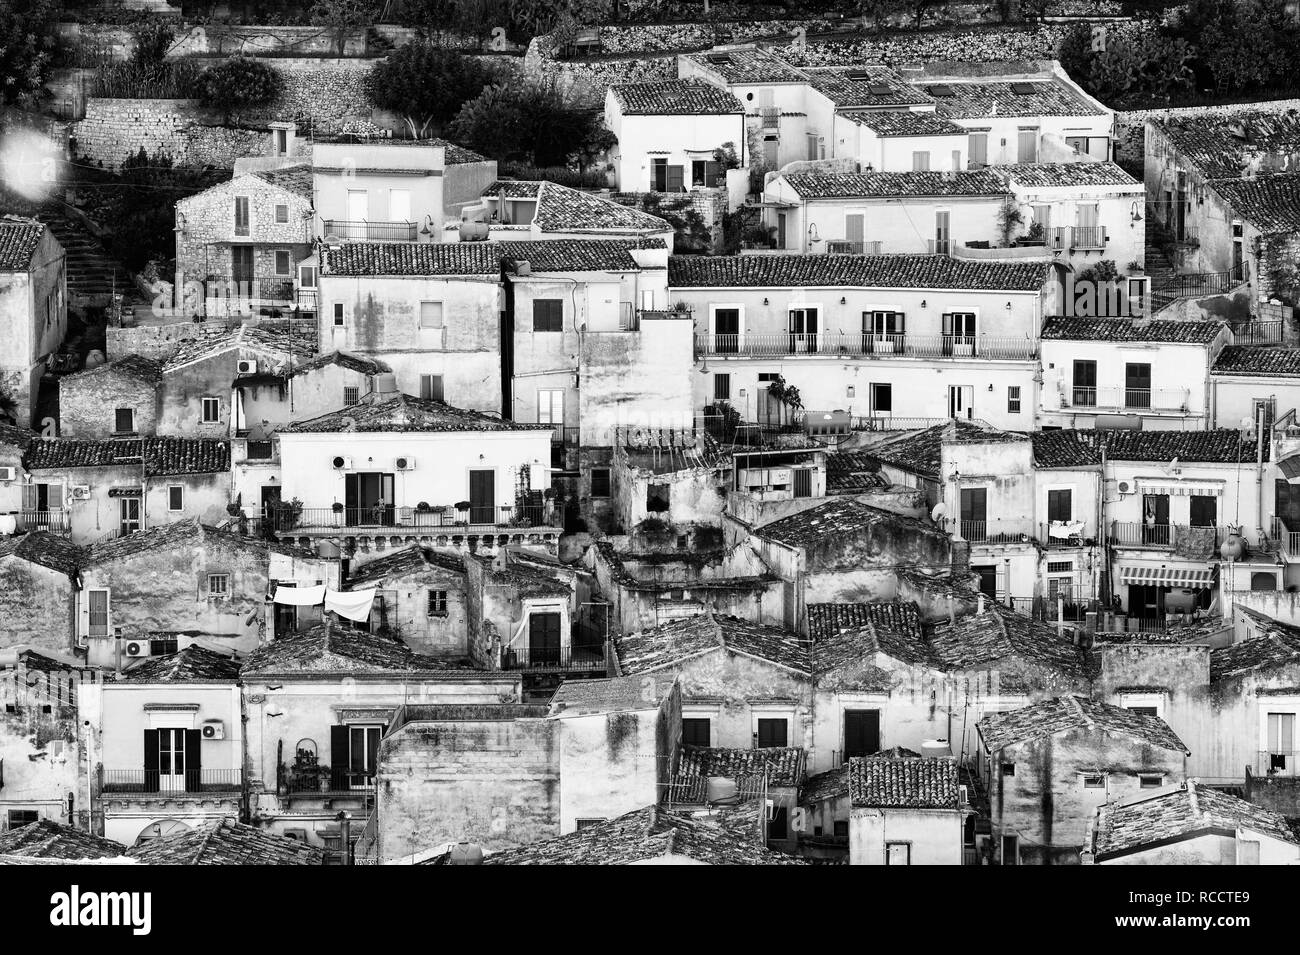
(352, 604)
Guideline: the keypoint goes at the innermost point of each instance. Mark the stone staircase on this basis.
(93, 274)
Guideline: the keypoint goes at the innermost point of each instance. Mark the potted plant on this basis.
(462, 512)
(1033, 236)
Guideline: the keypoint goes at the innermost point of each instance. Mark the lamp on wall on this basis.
(923, 303)
(1135, 211)
(428, 226)
(764, 301)
(843, 300)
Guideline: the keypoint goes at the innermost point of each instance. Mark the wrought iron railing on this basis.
(54, 522)
(867, 345)
(1135, 399)
(997, 532)
(325, 781)
(363, 230)
(573, 657)
(153, 782)
(845, 247)
(285, 519)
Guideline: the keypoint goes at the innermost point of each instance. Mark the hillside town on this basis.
(833, 435)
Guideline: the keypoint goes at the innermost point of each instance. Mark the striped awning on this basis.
(1176, 487)
(1188, 578)
(126, 492)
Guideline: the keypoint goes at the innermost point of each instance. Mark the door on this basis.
(241, 267)
(1146, 602)
(979, 150)
(128, 515)
(1281, 744)
(171, 760)
(898, 853)
(659, 175)
(1085, 384)
(1027, 146)
(861, 733)
(959, 333)
(1155, 519)
(399, 205)
(358, 213)
(1137, 385)
(368, 499)
(961, 401)
(974, 513)
(803, 482)
(97, 609)
(771, 150)
(855, 231)
(1238, 257)
(988, 575)
(803, 330)
(482, 496)
(676, 179)
(883, 332)
(780, 230)
(544, 639)
(726, 330)
(1087, 233)
(1011, 850)
(942, 222)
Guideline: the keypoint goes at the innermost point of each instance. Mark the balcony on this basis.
(996, 532)
(1079, 238)
(323, 782)
(581, 657)
(447, 519)
(1189, 541)
(52, 522)
(866, 345)
(366, 230)
(151, 783)
(1064, 534)
(1126, 399)
(1276, 763)
(1288, 540)
(845, 247)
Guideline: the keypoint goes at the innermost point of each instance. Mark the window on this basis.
(587, 823)
(979, 150)
(431, 314)
(721, 387)
(1204, 510)
(1060, 566)
(1144, 710)
(1011, 850)
(162, 648)
(548, 315)
(600, 482)
(1008, 769)
(128, 515)
(431, 388)
(1137, 385)
(307, 276)
(1094, 781)
(773, 732)
(218, 585)
(658, 498)
(1060, 505)
(338, 314)
(550, 406)
(696, 731)
(706, 172)
(241, 216)
(898, 853)
(124, 420)
(882, 398)
(282, 142)
(841, 828)
(1013, 399)
(281, 213)
(175, 497)
(283, 266)
(920, 161)
(1281, 740)
(437, 603)
(97, 611)
(23, 817)
(351, 394)
(211, 410)
(1085, 383)
(1150, 780)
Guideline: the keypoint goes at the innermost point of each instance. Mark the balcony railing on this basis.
(845, 247)
(586, 657)
(1288, 539)
(152, 782)
(53, 522)
(1080, 238)
(868, 345)
(1168, 536)
(770, 117)
(285, 520)
(324, 781)
(1133, 399)
(892, 423)
(362, 230)
(1277, 763)
(1066, 534)
(996, 532)
(939, 246)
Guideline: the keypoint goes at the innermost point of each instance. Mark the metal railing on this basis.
(939, 246)
(996, 532)
(360, 230)
(845, 247)
(1288, 539)
(285, 520)
(325, 781)
(152, 782)
(1066, 535)
(1137, 399)
(865, 344)
(1087, 237)
(1258, 333)
(572, 657)
(770, 116)
(53, 522)
(1188, 284)
(1277, 762)
(891, 423)
(1183, 536)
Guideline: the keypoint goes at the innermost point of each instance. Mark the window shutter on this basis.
(193, 760)
(151, 761)
(339, 757)
(675, 179)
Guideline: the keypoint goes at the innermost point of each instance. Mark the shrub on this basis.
(139, 80)
(237, 84)
(561, 175)
(427, 84)
(152, 41)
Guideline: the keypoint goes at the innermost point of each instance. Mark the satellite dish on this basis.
(939, 512)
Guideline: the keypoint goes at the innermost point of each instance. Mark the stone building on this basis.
(38, 583)
(120, 398)
(421, 599)
(33, 309)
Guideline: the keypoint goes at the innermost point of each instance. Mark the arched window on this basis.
(1263, 581)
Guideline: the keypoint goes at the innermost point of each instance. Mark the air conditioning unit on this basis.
(6, 474)
(247, 366)
(213, 729)
(81, 492)
(341, 463)
(404, 464)
(136, 648)
(1124, 487)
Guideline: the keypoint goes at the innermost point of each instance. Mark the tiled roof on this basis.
(1044, 174)
(889, 185)
(402, 563)
(44, 839)
(747, 66)
(617, 694)
(674, 98)
(194, 664)
(48, 550)
(561, 209)
(1178, 812)
(848, 472)
(1270, 203)
(226, 842)
(652, 833)
(922, 783)
(849, 271)
(295, 179)
(921, 452)
(378, 411)
(901, 617)
(184, 536)
(159, 456)
(332, 649)
(864, 86)
(1000, 636)
(904, 122)
(481, 258)
(1125, 330)
(839, 516)
(846, 650)
(1074, 712)
(832, 784)
(455, 154)
(1082, 448)
(1276, 645)
(137, 367)
(280, 345)
(1220, 145)
(18, 241)
(783, 765)
(361, 364)
(677, 641)
(989, 99)
(523, 579)
(1266, 361)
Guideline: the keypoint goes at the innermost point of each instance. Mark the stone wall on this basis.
(35, 606)
(1130, 126)
(87, 403)
(158, 341)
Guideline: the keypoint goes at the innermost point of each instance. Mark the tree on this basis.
(530, 122)
(879, 11)
(342, 17)
(8, 407)
(427, 84)
(27, 46)
(237, 84)
(478, 18)
(153, 40)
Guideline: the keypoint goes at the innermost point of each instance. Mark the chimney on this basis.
(979, 605)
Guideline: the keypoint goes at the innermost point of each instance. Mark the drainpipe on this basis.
(1259, 472)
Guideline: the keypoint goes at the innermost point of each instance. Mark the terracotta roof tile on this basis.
(194, 664)
(782, 765)
(404, 562)
(158, 456)
(18, 241)
(45, 839)
(481, 258)
(674, 98)
(852, 86)
(849, 472)
(226, 842)
(1075, 712)
(922, 783)
(1222, 145)
(561, 209)
(677, 641)
(901, 617)
(1125, 330)
(747, 66)
(839, 516)
(1044, 97)
(137, 367)
(1266, 361)
(1082, 448)
(48, 550)
(890, 185)
(849, 271)
(295, 179)
(378, 411)
(362, 364)
(904, 122)
(1270, 203)
(332, 649)
(1047, 174)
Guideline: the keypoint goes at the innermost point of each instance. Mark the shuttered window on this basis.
(241, 216)
(548, 315)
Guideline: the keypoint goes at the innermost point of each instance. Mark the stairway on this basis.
(93, 274)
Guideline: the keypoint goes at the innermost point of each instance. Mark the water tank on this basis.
(936, 747)
(1234, 548)
(328, 549)
(386, 383)
(94, 358)
(465, 853)
(473, 231)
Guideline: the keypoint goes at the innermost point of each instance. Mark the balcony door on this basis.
(1137, 385)
(942, 232)
(172, 759)
(883, 332)
(726, 330)
(855, 231)
(354, 751)
(368, 499)
(1155, 518)
(803, 329)
(1280, 745)
(1085, 384)
(544, 639)
(861, 733)
(974, 513)
(241, 265)
(482, 496)
(128, 515)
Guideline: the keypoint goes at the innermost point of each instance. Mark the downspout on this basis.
(1259, 472)
(1105, 573)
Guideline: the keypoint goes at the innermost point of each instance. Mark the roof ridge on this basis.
(1191, 798)
(1079, 711)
